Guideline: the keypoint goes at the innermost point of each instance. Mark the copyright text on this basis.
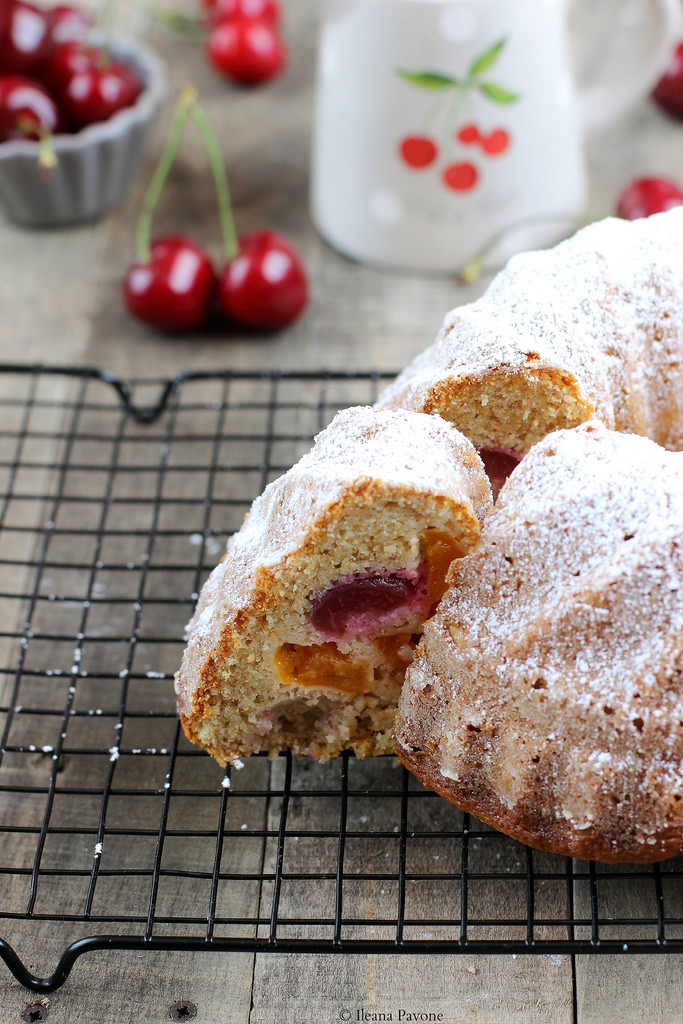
(363, 1016)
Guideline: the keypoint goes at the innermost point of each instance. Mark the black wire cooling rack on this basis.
(116, 503)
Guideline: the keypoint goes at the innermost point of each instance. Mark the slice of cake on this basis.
(302, 635)
(590, 328)
(546, 696)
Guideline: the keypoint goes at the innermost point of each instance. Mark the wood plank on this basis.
(79, 885)
(454, 989)
(117, 987)
(608, 981)
(629, 989)
(358, 316)
(60, 300)
(371, 802)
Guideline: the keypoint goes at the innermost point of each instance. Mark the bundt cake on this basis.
(546, 696)
(590, 329)
(302, 635)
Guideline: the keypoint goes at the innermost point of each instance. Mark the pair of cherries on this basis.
(173, 284)
(51, 81)
(263, 287)
(244, 43)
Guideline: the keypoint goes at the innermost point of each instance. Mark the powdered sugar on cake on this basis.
(366, 497)
(603, 307)
(554, 662)
(356, 446)
(360, 443)
(578, 498)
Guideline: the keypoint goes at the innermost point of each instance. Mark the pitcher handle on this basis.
(611, 95)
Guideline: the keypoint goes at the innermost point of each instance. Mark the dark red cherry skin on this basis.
(66, 22)
(26, 109)
(365, 601)
(174, 290)
(64, 61)
(646, 196)
(25, 39)
(255, 10)
(99, 91)
(265, 287)
(246, 51)
(498, 463)
(668, 93)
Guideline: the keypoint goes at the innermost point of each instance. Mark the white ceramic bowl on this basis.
(95, 166)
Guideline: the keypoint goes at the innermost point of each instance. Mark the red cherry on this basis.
(418, 151)
(460, 177)
(174, 290)
(265, 286)
(498, 463)
(254, 10)
(469, 134)
(668, 93)
(361, 605)
(64, 61)
(646, 196)
(25, 39)
(246, 50)
(67, 22)
(97, 92)
(25, 109)
(495, 143)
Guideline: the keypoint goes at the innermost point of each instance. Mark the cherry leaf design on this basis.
(497, 93)
(485, 61)
(428, 79)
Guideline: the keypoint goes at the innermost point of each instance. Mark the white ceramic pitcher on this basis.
(439, 123)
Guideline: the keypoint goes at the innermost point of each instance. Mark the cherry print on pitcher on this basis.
(420, 150)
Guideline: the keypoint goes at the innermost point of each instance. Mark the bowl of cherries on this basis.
(76, 110)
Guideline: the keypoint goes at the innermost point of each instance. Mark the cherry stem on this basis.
(182, 25)
(144, 229)
(475, 266)
(187, 107)
(220, 178)
(47, 158)
(104, 26)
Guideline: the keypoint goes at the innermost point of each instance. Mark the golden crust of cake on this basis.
(546, 696)
(362, 500)
(592, 328)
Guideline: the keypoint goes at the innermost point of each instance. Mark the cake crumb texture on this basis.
(360, 502)
(592, 328)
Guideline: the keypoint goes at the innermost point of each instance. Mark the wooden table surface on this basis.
(59, 295)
